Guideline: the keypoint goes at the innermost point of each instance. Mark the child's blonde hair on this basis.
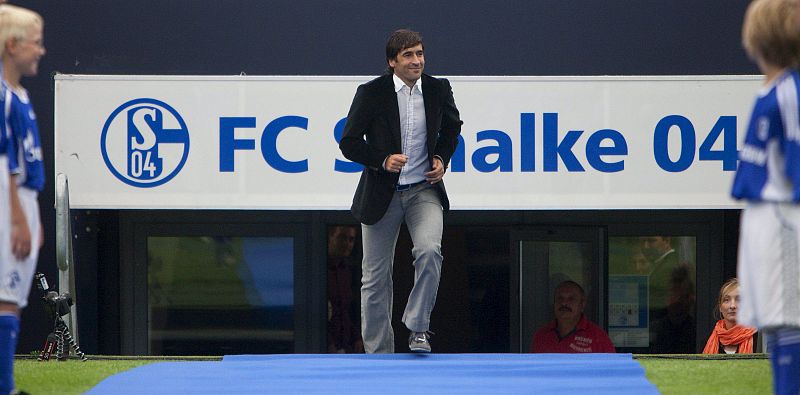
(770, 32)
(15, 23)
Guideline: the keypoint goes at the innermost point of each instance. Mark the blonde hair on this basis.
(728, 286)
(770, 32)
(15, 23)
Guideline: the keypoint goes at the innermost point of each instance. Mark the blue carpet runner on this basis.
(388, 374)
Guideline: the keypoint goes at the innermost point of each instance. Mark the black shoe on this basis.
(419, 342)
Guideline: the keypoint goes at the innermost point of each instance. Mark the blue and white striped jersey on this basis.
(769, 161)
(25, 147)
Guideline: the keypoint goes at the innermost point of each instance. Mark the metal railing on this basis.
(64, 257)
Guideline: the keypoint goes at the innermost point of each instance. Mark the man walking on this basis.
(403, 127)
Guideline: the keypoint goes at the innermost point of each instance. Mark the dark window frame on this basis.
(134, 263)
(705, 276)
(592, 234)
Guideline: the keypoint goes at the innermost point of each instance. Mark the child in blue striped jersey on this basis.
(21, 48)
(768, 179)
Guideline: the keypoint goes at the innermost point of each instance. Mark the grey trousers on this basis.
(421, 210)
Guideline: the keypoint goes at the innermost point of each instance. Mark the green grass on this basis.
(709, 376)
(66, 377)
(672, 375)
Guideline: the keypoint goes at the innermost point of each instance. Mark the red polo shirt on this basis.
(587, 337)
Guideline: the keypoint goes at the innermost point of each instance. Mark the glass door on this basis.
(543, 258)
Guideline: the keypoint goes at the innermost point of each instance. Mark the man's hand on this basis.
(395, 162)
(436, 173)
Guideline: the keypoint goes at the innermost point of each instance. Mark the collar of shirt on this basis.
(764, 90)
(399, 84)
(582, 325)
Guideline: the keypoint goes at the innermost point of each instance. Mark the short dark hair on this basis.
(400, 40)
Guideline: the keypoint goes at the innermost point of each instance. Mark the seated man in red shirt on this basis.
(571, 331)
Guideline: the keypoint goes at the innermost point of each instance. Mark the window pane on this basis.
(545, 265)
(344, 284)
(220, 295)
(570, 261)
(478, 259)
(652, 293)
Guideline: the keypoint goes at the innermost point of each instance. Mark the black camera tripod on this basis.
(58, 306)
(57, 341)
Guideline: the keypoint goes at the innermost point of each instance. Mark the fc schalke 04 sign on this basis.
(528, 142)
(145, 142)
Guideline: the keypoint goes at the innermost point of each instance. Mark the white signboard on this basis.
(242, 142)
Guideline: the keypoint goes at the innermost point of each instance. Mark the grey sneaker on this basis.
(419, 342)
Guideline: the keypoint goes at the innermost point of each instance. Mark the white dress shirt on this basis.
(413, 131)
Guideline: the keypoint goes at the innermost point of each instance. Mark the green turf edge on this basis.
(128, 358)
(709, 375)
(70, 377)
